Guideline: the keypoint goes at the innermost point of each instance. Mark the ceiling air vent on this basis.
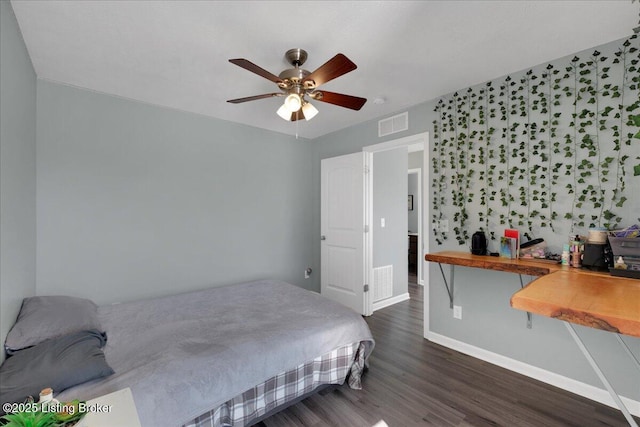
(393, 124)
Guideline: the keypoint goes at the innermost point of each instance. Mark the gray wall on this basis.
(415, 160)
(488, 320)
(136, 200)
(17, 171)
(390, 202)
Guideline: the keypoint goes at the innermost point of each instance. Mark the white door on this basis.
(342, 230)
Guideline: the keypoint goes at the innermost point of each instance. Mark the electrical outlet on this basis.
(444, 225)
(457, 312)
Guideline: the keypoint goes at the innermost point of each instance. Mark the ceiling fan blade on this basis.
(297, 115)
(335, 67)
(346, 101)
(250, 66)
(253, 98)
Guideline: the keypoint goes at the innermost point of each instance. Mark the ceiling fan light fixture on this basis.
(309, 111)
(284, 112)
(293, 102)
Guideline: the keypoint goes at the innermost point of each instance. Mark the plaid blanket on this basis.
(331, 368)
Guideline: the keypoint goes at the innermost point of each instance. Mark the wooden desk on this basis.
(587, 298)
(599, 301)
(529, 267)
(602, 302)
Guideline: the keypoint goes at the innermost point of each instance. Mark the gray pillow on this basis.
(58, 363)
(45, 317)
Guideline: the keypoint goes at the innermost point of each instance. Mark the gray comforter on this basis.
(186, 354)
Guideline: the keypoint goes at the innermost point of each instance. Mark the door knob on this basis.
(323, 237)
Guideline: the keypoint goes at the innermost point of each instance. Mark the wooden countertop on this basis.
(531, 267)
(599, 301)
(593, 299)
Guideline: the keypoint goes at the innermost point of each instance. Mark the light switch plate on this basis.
(457, 312)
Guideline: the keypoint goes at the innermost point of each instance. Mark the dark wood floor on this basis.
(414, 382)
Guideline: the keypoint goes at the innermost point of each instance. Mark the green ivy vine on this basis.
(510, 149)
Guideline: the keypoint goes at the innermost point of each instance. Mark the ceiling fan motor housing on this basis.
(294, 75)
(292, 79)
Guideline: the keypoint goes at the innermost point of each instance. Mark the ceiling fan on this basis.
(296, 84)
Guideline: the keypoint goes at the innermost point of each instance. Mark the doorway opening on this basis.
(412, 144)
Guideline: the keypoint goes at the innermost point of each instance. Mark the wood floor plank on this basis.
(413, 382)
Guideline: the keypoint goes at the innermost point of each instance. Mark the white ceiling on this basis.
(175, 53)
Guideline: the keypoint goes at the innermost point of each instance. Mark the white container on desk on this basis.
(122, 411)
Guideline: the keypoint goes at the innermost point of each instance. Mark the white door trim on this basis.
(413, 143)
(368, 235)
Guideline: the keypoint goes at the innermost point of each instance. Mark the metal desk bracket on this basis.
(450, 286)
(449, 290)
(528, 313)
(600, 374)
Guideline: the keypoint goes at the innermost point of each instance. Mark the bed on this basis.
(224, 356)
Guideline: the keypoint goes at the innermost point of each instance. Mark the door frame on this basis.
(413, 143)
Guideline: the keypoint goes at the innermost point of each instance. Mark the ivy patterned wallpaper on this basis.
(550, 149)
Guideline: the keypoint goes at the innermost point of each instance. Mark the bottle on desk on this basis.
(576, 259)
(566, 255)
(46, 399)
(576, 248)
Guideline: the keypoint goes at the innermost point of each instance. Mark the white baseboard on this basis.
(390, 301)
(548, 377)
